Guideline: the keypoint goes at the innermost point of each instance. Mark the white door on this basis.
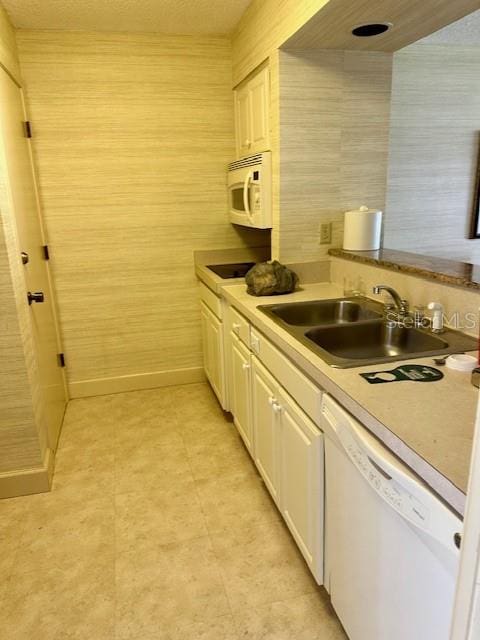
(266, 425)
(212, 335)
(20, 189)
(240, 358)
(302, 482)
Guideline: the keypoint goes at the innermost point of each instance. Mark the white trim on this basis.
(28, 481)
(136, 382)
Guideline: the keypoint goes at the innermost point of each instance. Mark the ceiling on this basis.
(465, 32)
(200, 17)
(411, 20)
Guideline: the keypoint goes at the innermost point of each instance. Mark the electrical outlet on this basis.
(326, 233)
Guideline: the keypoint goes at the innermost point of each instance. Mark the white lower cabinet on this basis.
(213, 351)
(266, 428)
(302, 481)
(285, 444)
(240, 400)
(288, 452)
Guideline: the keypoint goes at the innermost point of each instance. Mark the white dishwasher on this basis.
(391, 545)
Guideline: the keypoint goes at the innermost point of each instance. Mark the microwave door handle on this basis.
(246, 198)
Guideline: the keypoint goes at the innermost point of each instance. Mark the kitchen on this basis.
(132, 134)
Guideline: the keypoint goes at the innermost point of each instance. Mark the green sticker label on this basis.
(411, 372)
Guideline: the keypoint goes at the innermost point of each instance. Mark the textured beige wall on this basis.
(264, 27)
(433, 150)
(333, 122)
(132, 137)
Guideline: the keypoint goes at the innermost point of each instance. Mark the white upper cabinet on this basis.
(252, 114)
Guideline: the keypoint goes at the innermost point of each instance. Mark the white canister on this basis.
(362, 229)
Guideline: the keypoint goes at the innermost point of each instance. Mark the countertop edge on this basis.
(412, 270)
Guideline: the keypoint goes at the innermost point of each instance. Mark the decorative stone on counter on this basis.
(270, 279)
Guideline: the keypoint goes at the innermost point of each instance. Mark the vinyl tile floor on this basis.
(158, 527)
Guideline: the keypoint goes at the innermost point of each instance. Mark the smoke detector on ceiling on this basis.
(371, 29)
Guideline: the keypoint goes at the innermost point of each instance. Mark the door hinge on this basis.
(27, 128)
(46, 252)
(61, 359)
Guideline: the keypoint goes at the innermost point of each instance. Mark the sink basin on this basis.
(351, 332)
(374, 341)
(324, 312)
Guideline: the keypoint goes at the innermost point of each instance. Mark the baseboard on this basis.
(104, 386)
(28, 481)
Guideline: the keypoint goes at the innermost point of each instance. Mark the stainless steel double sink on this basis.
(351, 332)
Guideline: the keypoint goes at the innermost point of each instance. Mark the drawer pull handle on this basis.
(245, 366)
(277, 408)
(236, 327)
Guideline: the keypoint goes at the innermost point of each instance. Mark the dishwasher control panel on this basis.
(383, 483)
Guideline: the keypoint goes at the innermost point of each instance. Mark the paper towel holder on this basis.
(362, 229)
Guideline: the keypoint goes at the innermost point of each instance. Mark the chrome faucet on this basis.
(400, 304)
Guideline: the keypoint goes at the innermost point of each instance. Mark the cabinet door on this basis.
(213, 358)
(241, 390)
(259, 111)
(265, 420)
(242, 121)
(302, 482)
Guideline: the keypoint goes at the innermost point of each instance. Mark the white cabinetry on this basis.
(302, 481)
(252, 114)
(289, 456)
(212, 336)
(211, 314)
(265, 415)
(263, 391)
(240, 397)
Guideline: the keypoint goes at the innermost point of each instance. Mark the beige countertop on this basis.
(429, 426)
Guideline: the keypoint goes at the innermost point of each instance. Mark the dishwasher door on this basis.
(391, 553)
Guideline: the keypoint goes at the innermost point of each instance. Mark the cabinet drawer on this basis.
(212, 301)
(306, 394)
(240, 326)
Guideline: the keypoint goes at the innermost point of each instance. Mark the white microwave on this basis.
(249, 186)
